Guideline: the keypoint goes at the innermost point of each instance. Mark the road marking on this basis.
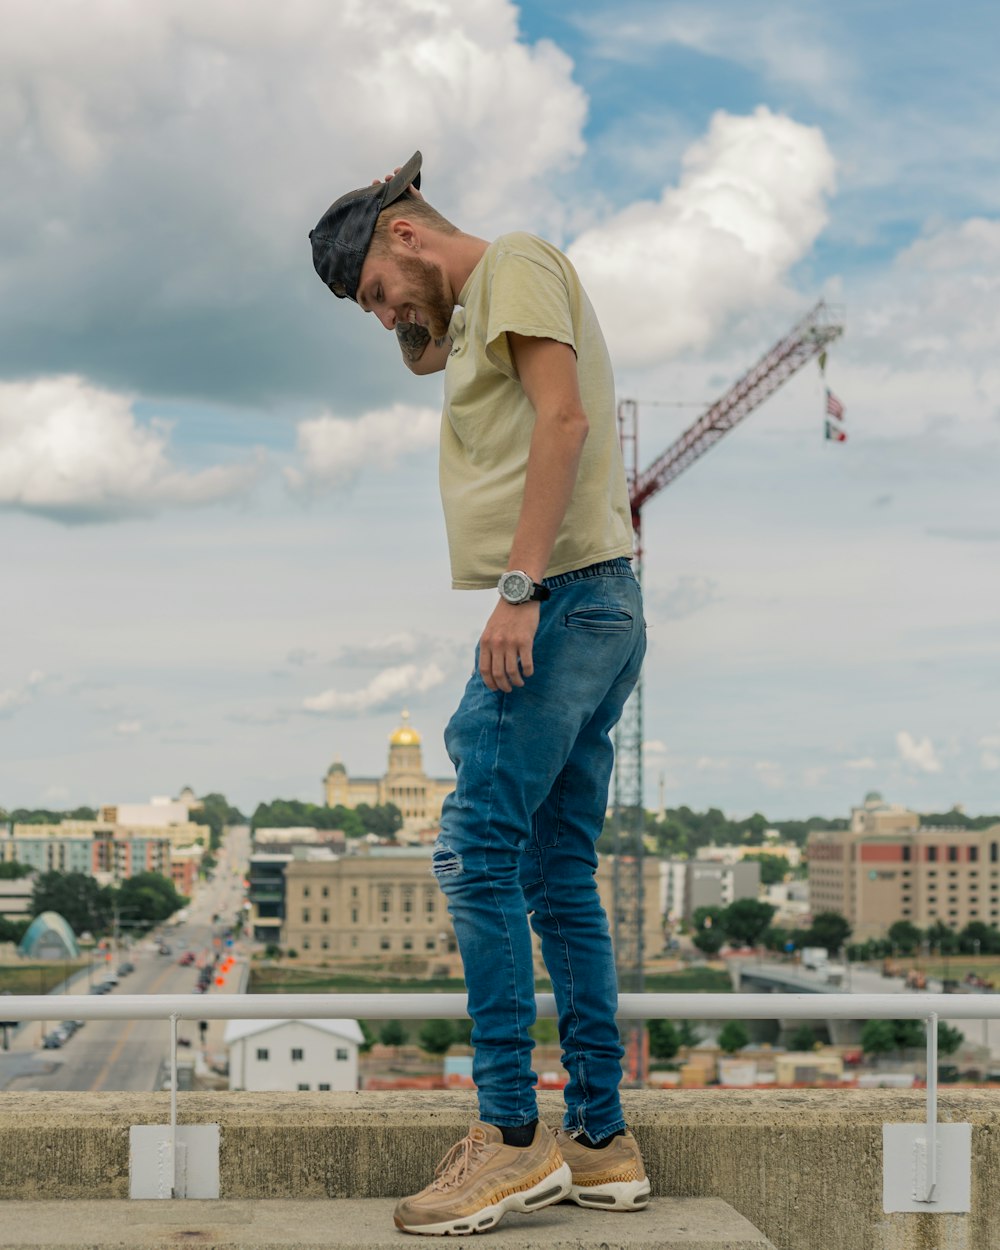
(115, 1055)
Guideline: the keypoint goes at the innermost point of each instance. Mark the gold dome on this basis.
(404, 736)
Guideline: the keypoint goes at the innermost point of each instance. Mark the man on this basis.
(536, 505)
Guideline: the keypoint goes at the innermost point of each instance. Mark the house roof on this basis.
(349, 1030)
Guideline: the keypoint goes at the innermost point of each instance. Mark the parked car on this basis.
(125, 968)
(186, 958)
(53, 1040)
(69, 1027)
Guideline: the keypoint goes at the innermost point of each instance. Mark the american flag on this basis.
(834, 407)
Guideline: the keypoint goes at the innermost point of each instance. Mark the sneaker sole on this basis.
(612, 1195)
(551, 1189)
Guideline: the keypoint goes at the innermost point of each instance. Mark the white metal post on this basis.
(173, 1105)
(932, 1081)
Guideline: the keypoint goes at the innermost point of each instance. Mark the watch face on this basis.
(515, 587)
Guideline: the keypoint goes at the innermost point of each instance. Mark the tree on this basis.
(979, 938)
(392, 1033)
(368, 1033)
(11, 870)
(216, 812)
(949, 1039)
(803, 1038)
(77, 897)
(147, 899)
(745, 920)
(905, 935)
(946, 940)
(773, 868)
(706, 917)
(909, 1034)
(733, 1036)
(384, 819)
(878, 1037)
(664, 1039)
(709, 941)
(436, 1036)
(13, 930)
(688, 1034)
(829, 929)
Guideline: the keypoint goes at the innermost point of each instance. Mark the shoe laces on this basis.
(455, 1166)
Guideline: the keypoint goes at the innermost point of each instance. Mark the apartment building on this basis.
(101, 851)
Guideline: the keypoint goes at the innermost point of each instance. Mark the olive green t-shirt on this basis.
(523, 285)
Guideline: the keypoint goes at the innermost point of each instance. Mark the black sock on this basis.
(584, 1140)
(520, 1135)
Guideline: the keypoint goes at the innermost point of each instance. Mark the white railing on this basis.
(175, 1007)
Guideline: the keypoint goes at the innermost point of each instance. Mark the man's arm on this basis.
(421, 353)
(547, 371)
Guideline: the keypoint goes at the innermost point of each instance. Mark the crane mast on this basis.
(807, 339)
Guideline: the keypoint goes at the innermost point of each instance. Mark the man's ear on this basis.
(406, 233)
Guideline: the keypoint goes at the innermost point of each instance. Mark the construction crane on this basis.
(807, 339)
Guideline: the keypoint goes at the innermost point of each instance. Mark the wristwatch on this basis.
(517, 587)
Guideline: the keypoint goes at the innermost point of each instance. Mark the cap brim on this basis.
(409, 174)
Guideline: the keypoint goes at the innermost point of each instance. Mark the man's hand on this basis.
(389, 177)
(505, 647)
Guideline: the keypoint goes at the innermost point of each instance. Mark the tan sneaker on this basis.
(613, 1178)
(480, 1179)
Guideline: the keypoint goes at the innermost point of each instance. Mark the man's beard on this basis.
(428, 293)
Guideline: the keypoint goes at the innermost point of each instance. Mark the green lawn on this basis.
(35, 978)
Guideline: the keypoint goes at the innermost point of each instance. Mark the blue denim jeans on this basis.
(518, 839)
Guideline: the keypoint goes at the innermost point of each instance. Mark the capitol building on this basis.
(404, 782)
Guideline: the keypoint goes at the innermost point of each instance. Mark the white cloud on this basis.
(990, 757)
(75, 452)
(128, 728)
(687, 596)
(770, 773)
(863, 764)
(334, 450)
(193, 144)
(17, 696)
(917, 753)
(667, 276)
(654, 748)
(787, 48)
(814, 776)
(384, 690)
(402, 645)
(301, 656)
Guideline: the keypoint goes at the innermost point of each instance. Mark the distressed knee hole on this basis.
(445, 862)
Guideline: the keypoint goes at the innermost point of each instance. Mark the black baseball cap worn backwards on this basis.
(343, 234)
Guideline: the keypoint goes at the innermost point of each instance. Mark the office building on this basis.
(887, 867)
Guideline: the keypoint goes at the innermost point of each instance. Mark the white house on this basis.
(293, 1054)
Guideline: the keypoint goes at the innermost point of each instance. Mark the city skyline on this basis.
(218, 492)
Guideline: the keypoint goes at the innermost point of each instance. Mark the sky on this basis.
(223, 558)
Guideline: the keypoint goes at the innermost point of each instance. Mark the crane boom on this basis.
(812, 334)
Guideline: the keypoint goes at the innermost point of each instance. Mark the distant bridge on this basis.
(758, 977)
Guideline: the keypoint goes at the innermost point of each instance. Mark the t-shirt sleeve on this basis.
(529, 297)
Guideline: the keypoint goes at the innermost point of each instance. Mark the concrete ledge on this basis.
(361, 1224)
(804, 1166)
